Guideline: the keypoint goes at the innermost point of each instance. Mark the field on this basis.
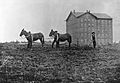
(50, 65)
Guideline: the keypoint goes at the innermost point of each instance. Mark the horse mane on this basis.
(26, 31)
(56, 31)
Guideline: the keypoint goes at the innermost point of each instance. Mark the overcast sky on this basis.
(43, 15)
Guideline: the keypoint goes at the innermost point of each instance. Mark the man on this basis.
(30, 40)
(93, 39)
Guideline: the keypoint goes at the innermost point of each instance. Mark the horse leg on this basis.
(69, 41)
(57, 44)
(69, 44)
(53, 43)
(41, 42)
(28, 45)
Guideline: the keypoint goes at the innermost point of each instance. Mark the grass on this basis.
(68, 64)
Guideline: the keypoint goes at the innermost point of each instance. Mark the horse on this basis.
(32, 37)
(60, 38)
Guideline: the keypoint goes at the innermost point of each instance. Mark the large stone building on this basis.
(81, 24)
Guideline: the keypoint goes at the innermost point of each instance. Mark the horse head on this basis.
(52, 33)
(21, 33)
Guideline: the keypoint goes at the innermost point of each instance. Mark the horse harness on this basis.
(56, 37)
(31, 36)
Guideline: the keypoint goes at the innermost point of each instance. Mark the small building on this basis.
(81, 25)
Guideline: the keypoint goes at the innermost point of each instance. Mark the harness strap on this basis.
(57, 36)
(29, 36)
(32, 37)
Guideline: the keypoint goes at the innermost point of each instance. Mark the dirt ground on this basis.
(77, 64)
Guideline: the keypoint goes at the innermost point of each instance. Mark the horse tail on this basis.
(43, 40)
(70, 39)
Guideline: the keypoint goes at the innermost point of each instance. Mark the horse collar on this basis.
(29, 36)
(32, 37)
(57, 37)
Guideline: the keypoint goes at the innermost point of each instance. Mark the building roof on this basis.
(101, 15)
(97, 15)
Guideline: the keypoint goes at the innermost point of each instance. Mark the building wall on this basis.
(104, 31)
(71, 26)
(82, 27)
(86, 25)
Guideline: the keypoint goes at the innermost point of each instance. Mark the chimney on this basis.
(73, 11)
(86, 10)
(89, 11)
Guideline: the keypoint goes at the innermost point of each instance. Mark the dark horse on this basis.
(60, 38)
(32, 37)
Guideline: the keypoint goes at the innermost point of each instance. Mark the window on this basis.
(106, 22)
(86, 29)
(88, 19)
(103, 35)
(105, 41)
(98, 35)
(92, 20)
(89, 24)
(85, 35)
(85, 41)
(101, 21)
(85, 25)
(89, 34)
(81, 20)
(109, 21)
(98, 21)
(92, 24)
(93, 30)
(81, 34)
(81, 29)
(89, 29)
(82, 40)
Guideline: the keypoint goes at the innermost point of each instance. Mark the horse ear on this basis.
(23, 28)
(51, 29)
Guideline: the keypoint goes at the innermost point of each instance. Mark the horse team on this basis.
(57, 38)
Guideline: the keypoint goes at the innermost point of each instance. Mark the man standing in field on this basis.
(30, 40)
(93, 39)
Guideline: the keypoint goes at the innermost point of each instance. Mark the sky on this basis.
(44, 15)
